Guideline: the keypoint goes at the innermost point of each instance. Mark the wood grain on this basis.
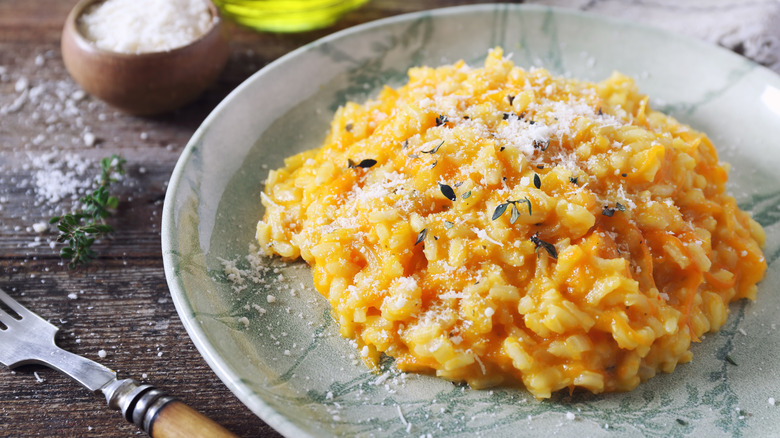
(120, 303)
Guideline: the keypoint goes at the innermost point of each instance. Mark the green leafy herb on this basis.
(609, 211)
(421, 236)
(466, 195)
(730, 360)
(448, 192)
(441, 119)
(515, 214)
(434, 164)
(501, 208)
(549, 247)
(539, 144)
(527, 201)
(574, 180)
(682, 422)
(80, 229)
(537, 181)
(448, 224)
(434, 150)
(365, 164)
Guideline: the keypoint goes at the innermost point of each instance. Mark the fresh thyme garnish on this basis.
(549, 247)
(537, 181)
(448, 224)
(682, 422)
(541, 145)
(365, 164)
(609, 211)
(466, 195)
(434, 164)
(80, 229)
(501, 208)
(730, 360)
(421, 236)
(441, 119)
(448, 192)
(434, 150)
(510, 98)
(405, 144)
(515, 214)
(574, 180)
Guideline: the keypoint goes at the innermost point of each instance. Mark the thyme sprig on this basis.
(79, 229)
(501, 208)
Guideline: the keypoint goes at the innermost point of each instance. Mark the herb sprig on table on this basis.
(79, 229)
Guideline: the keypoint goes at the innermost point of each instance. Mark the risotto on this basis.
(497, 225)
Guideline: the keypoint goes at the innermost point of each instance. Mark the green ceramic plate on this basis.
(284, 358)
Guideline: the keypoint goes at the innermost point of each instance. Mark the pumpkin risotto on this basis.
(495, 226)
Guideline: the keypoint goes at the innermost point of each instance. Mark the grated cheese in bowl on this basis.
(143, 26)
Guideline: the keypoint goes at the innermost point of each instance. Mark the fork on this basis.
(26, 338)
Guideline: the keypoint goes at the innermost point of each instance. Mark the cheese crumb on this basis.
(102, 354)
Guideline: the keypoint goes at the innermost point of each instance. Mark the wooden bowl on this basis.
(145, 83)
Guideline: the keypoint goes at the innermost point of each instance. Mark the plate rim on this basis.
(256, 404)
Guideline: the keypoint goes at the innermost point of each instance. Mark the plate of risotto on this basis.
(493, 220)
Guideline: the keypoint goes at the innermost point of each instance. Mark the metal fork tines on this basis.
(29, 339)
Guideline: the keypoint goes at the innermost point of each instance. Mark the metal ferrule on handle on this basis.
(139, 403)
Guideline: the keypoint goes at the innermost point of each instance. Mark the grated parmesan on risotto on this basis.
(506, 227)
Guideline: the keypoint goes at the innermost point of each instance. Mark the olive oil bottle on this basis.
(286, 15)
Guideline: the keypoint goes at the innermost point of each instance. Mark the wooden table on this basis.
(119, 304)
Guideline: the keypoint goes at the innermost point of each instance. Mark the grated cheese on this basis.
(143, 26)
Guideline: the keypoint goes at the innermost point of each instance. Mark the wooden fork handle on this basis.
(177, 420)
(159, 414)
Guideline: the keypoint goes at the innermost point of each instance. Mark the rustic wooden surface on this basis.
(122, 304)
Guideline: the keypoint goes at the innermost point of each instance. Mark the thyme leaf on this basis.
(448, 224)
(574, 180)
(537, 181)
(549, 247)
(515, 214)
(500, 209)
(448, 192)
(441, 119)
(421, 236)
(365, 164)
(510, 98)
(730, 360)
(541, 145)
(79, 229)
(434, 150)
